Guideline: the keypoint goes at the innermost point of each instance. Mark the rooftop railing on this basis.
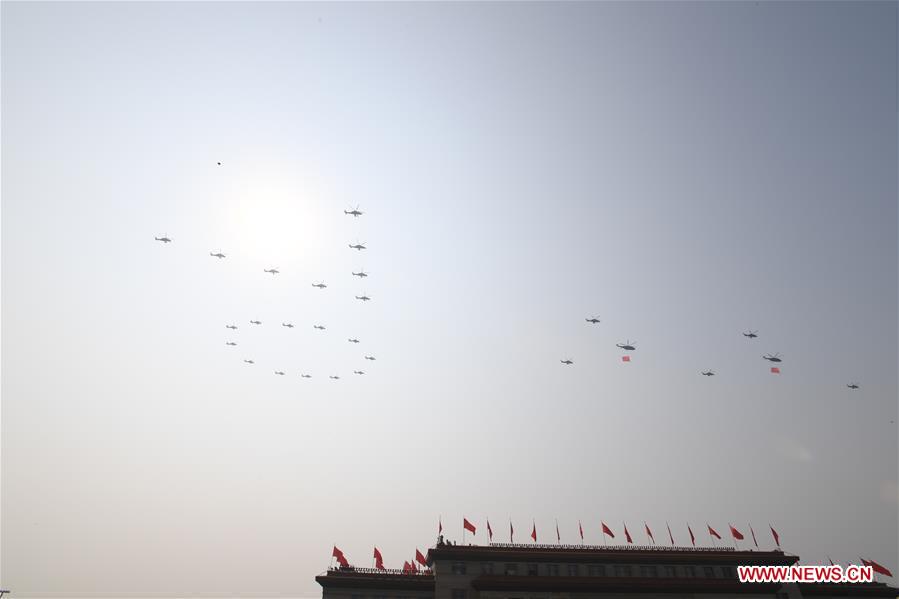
(378, 571)
(603, 547)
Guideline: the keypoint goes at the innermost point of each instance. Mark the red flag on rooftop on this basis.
(692, 538)
(379, 561)
(627, 535)
(581, 530)
(606, 530)
(625, 358)
(775, 535)
(407, 567)
(340, 557)
(877, 567)
(775, 370)
(712, 531)
(649, 532)
(670, 536)
(420, 558)
(534, 532)
(489, 530)
(468, 526)
(753, 536)
(736, 534)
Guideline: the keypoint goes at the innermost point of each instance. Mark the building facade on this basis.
(506, 571)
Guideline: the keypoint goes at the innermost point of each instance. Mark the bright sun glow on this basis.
(277, 220)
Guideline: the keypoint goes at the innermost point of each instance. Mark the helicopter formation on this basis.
(320, 285)
(632, 346)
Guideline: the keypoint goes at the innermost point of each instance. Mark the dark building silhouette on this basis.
(506, 571)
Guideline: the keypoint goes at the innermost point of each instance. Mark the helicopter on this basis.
(775, 358)
(319, 327)
(708, 373)
(334, 377)
(627, 345)
(853, 386)
(567, 362)
(231, 343)
(163, 239)
(355, 212)
(249, 361)
(372, 358)
(363, 297)
(233, 327)
(319, 285)
(306, 376)
(358, 372)
(272, 271)
(353, 340)
(358, 246)
(218, 255)
(255, 322)
(751, 334)
(287, 324)
(592, 320)
(279, 372)
(360, 274)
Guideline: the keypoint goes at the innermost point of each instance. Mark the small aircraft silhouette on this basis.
(163, 239)
(853, 385)
(272, 271)
(358, 372)
(592, 320)
(319, 285)
(566, 362)
(279, 372)
(287, 324)
(249, 361)
(358, 246)
(230, 343)
(355, 212)
(319, 327)
(627, 345)
(370, 358)
(360, 274)
(751, 334)
(218, 255)
(353, 340)
(708, 373)
(774, 358)
(334, 376)
(306, 376)
(363, 297)
(255, 322)
(231, 326)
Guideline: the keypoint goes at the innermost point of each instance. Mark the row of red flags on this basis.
(607, 531)
(410, 566)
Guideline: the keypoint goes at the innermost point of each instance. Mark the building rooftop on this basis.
(609, 554)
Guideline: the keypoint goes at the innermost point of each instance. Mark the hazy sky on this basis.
(683, 171)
